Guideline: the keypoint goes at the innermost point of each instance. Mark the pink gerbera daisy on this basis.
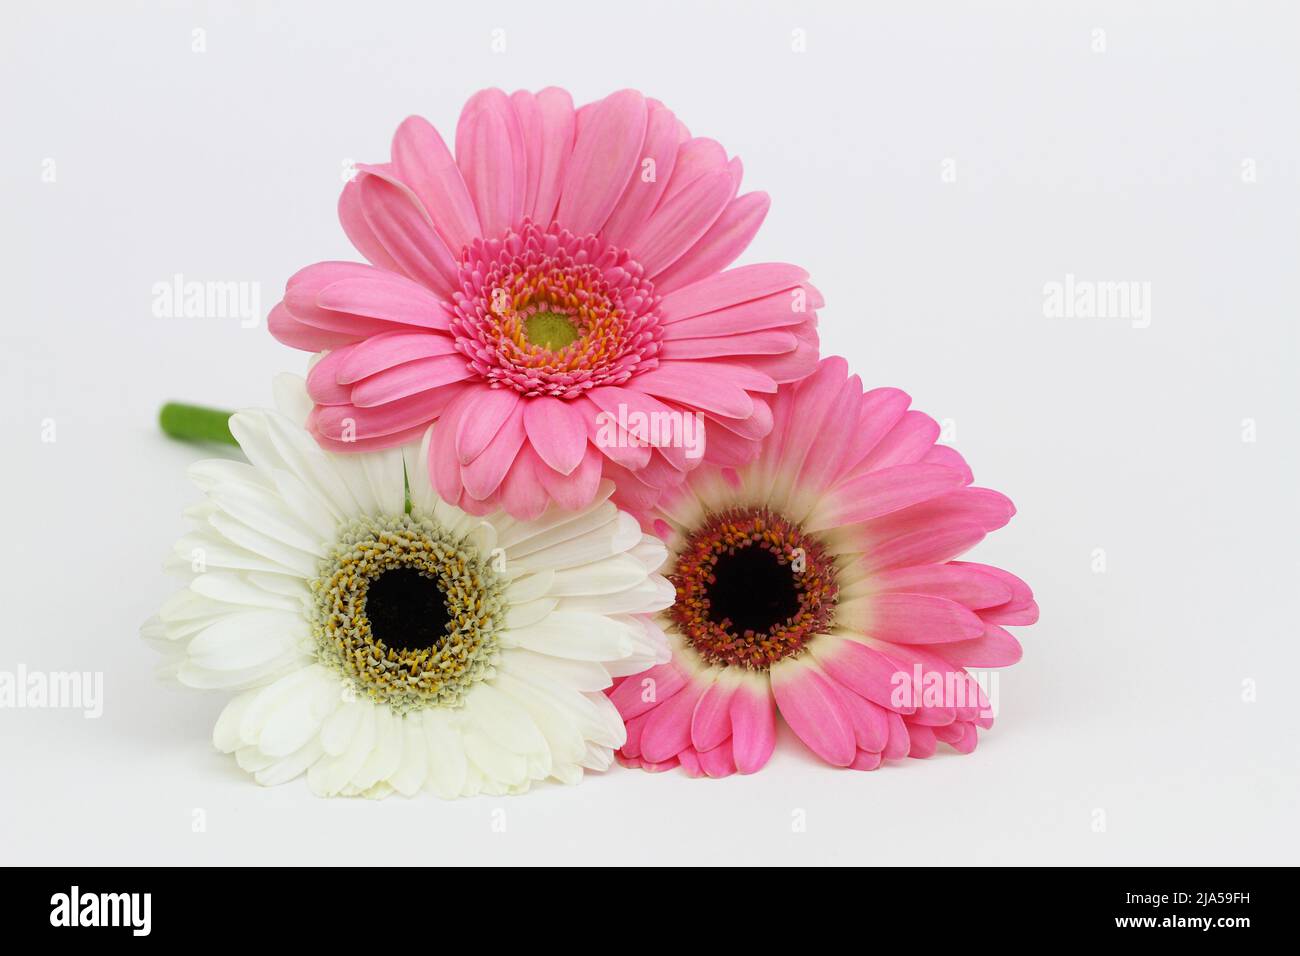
(818, 580)
(554, 297)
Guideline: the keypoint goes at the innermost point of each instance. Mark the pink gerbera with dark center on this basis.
(557, 298)
(818, 581)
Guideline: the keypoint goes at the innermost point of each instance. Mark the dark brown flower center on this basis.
(752, 588)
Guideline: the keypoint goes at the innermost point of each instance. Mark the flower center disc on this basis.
(546, 312)
(752, 589)
(406, 612)
(550, 330)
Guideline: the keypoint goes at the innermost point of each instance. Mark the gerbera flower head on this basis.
(819, 580)
(379, 638)
(556, 295)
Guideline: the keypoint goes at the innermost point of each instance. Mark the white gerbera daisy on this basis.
(384, 640)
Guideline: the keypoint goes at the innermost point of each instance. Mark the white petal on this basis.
(614, 537)
(583, 637)
(522, 615)
(491, 711)
(301, 562)
(616, 573)
(385, 755)
(412, 772)
(448, 766)
(529, 587)
(242, 640)
(235, 588)
(495, 762)
(298, 719)
(291, 398)
(239, 491)
(332, 774)
(556, 671)
(285, 769)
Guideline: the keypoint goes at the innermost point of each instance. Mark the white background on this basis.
(1119, 165)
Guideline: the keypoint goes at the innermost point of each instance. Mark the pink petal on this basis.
(885, 491)
(788, 367)
(631, 405)
(881, 409)
(643, 692)
(753, 725)
(483, 475)
(865, 671)
(338, 422)
(523, 495)
(548, 128)
(490, 154)
(956, 581)
(682, 382)
(922, 742)
(981, 506)
(916, 619)
(615, 443)
(668, 730)
(711, 722)
(388, 349)
(718, 762)
(870, 721)
(372, 443)
(695, 158)
(733, 287)
(866, 760)
(300, 335)
(576, 489)
(811, 706)
(322, 381)
(689, 761)
(639, 199)
(607, 150)
(492, 407)
(943, 455)
(557, 432)
(994, 648)
(908, 441)
(385, 297)
(421, 160)
(409, 379)
(899, 739)
(772, 342)
(824, 397)
(443, 463)
(925, 546)
(680, 222)
(726, 239)
(399, 223)
(353, 219)
(1024, 615)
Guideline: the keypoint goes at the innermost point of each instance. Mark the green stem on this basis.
(196, 423)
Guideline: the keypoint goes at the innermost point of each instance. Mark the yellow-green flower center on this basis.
(550, 330)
